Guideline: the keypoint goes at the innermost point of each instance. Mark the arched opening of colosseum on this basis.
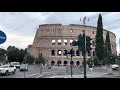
(77, 53)
(65, 63)
(59, 42)
(59, 52)
(71, 42)
(65, 42)
(53, 42)
(65, 53)
(59, 62)
(52, 52)
(93, 43)
(78, 63)
(71, 62)
(52, 63)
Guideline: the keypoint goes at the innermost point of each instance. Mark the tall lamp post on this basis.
(84, 50)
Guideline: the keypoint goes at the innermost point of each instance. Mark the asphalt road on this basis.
(34, 72)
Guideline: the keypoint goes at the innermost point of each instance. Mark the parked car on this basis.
(6, 69)
(16, 64)
(24, 67)
(114, 67)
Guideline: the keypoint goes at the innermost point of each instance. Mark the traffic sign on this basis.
(26, 50)
(2, 37)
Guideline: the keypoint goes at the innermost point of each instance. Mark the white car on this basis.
(24, 67)
(6, 69)
(16, 64)
(114, 66)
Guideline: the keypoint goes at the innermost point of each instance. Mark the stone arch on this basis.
(52, 62)
(78, 63)
(59, 52)
(59, 42)
(52, 52)
(65, 53)
(77, 53)
(65, 62)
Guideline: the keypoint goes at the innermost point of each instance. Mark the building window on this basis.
(59, 42)
(65, 42)
(71, 42)
(71, 30)
(59, 52)
(93, 32)
(53, 53)
(53, 42)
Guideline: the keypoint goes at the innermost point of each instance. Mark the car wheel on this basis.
(6, 73)
(14, 71)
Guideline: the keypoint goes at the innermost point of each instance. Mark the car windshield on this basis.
(4, 66)
(16, 64)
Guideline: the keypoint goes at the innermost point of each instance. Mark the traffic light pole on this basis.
(84, 51)
(71, 66)
(71, 60)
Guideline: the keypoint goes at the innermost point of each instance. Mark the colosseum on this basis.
(53, 40)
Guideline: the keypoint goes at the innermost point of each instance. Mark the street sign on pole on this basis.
(2, 37)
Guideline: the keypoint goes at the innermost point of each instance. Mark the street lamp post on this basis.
(84, 50)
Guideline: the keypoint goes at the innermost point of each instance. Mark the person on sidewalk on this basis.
(91, 67)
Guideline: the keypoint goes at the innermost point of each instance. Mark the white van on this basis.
(16, 64)
(24, 67)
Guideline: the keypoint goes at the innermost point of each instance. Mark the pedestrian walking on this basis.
(91, 67)
(49, 67)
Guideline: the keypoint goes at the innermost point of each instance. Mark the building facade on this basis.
(53, 40)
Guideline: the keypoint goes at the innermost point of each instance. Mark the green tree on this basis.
(30, 59)
(14, 54)
(41, 59)
(108, 52)
(21, 55)
(2, 55)
(99, 40)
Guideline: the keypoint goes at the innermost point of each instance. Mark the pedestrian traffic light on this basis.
(88, 43)
(72, 52)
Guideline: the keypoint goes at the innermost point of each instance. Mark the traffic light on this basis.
(72, 52)
(88, 43)
(66, 52)
(80, 42)
(26, 50)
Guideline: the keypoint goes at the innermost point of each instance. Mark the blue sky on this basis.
(20, 27)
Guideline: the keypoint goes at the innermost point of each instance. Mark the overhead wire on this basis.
(25, 24)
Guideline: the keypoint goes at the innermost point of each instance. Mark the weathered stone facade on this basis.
(51, 39)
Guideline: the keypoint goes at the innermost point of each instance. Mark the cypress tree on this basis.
(107, 46)
(100, 49)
